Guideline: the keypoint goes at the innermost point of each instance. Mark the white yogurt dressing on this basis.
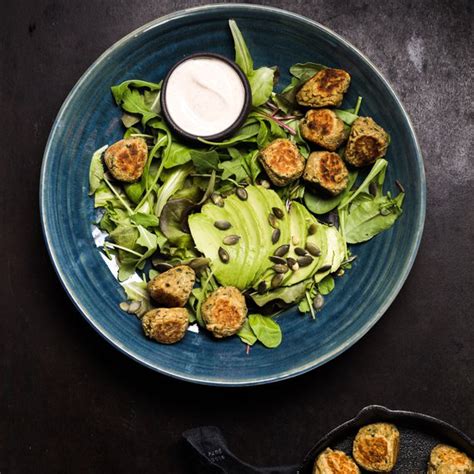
(204, 96)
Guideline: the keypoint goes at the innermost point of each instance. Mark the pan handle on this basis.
(212, 456)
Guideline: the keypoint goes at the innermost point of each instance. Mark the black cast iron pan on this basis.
(418, 435)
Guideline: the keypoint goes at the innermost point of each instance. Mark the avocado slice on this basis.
(336, 251)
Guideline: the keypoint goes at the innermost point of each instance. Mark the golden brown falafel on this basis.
(327, 171)
(367, 142)
(326, 87)
(166, 325)
(126, 159)
(173, 287)
(376, 446)
(224, 311)
(445, 459)
(335, 462)
(323, 127)
(282, 161)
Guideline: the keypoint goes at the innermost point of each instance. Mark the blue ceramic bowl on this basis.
(88, 119)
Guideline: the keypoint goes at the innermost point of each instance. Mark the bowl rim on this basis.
(224, 382)
(240, 119)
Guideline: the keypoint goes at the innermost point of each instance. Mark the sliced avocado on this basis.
(336, 250)
(248, 259)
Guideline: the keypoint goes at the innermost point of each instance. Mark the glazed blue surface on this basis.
(89, 119)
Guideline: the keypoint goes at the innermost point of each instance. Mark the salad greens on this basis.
(169, 216)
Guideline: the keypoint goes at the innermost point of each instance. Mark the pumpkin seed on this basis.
(199, 263)
(280, 268)
(290, 261)
(124, 305)
(281, 250)
(313, 249)
(340, 272)
(242, 194)
(278, 260)
(231, 239)
(325, 268)
(279, 214)
(276, 280)
(265, 184)
(217, 199)
(222, 225)
(272, 220)
(385, 211)
(312, 229)
(262, 287)
(295, 267)
(162, 266)
(305, 261)
(300, 251)
(400, 186)
(223, 255)
(276, 236)
(318, 301)
(134, 307)
(295, 240)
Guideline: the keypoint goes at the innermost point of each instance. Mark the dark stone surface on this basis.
(69, 402)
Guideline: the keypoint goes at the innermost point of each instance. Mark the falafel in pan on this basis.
(375, 447)
(323, 127)
(445, 459)
(282, 161)
(126, 159)
(224, 311)
(367, 142)
(166, 325)
(173, 287)
(327, 171)
(335, 462)
(325, 88)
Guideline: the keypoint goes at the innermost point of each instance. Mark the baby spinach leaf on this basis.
(121, 90)
(368, 216)
(177, 154)
(246, 334)
(347, 117)
(234, 168)
(326, 285)
(305, 71)
(125, 236)
(173, 217)
(266, 330)
(205, 161)
(261, 84)
(96, 170)
(319, 204)
(134, 191)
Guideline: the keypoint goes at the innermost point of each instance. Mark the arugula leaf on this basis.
(96, 170)
(261, 80)
(205, 161)
(177, 154)
(305, 71)
(369, 216)
(347, 117)
(266, 330)
(120, 90)
(125, 236)
(134, 102)
(146, 220)
(247, 133)
(287, 294)
(134, 191)
(246, 334)
(318, 204)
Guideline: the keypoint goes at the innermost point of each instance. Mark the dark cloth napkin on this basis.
(211, 455)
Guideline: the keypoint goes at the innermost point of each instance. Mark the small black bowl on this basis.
(217, 136)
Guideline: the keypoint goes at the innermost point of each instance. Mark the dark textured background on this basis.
(69, 402)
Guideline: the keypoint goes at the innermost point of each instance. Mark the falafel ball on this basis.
(376, 446)
(126, 159)
(327, 171)
(166, 325)
(224, 311)
(325, 88)
(335, 462)
(445, 459)
(173, 287)
(367, 142)
(323, 127)
(282, 161)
